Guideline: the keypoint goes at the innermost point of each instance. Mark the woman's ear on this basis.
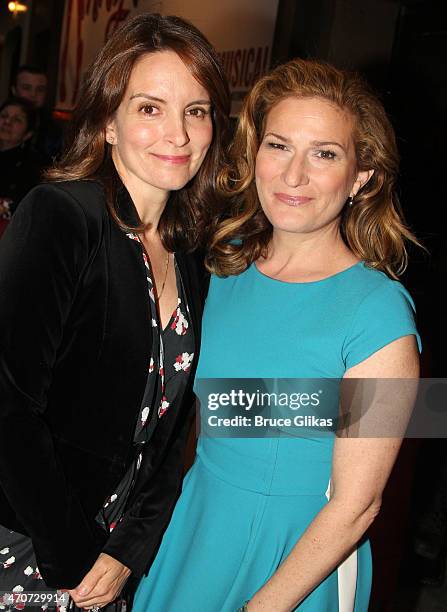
(111, 132)
(361, 180)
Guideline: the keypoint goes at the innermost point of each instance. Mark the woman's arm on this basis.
(133, 543)
(360, 470)
(42, 256)
(135, 540)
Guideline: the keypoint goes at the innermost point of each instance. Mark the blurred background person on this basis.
(31, 83)
(20, 164)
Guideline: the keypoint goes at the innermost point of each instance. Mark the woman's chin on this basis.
(283, 223)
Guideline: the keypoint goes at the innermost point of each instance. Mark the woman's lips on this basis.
(292, 200)
(173, 159)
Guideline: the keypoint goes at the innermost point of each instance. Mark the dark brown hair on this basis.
(186, 218)
(30, 69)
(372, 227)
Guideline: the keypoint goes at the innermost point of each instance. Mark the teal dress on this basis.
(246, 502)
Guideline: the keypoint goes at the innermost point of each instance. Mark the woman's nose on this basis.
(296, 173)
(176, 131)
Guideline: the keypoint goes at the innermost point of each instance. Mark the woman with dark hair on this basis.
(20, 165)
(303, 288)
(101, 300)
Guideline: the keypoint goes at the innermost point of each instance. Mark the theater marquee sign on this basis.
(240, 30)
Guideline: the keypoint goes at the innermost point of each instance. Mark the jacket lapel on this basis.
(193, 277)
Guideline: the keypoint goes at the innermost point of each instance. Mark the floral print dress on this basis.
(168, 371)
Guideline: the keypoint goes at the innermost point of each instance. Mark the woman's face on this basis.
(306, 165)
(13, 126)
(162, 129)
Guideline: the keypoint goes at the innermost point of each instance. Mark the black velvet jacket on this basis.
(75, 338)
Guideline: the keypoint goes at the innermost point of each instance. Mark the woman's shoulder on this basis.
(382, 312)
(84, 198)
(370, 285)
(62, 208)
(230, 279)
(86, 193)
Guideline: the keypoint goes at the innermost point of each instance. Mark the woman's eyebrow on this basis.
(147, 97)
(199, 102)
(155, 99)
(325, 143)
(278, 136)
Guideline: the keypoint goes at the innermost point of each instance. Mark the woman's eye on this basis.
(277, 145)
(149, 109)
(326, 154)
(200, 113)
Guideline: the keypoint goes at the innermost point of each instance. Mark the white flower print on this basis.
(144, 415)
(9, 562)
(111, 499)
(180, 323)
(163, 407)
(151, 365)
(4, 551)
(28, 570)
(17, 589)
(183, 362)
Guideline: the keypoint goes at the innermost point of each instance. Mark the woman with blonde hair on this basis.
(304, 287)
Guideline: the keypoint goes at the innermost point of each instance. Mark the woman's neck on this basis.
(149, 207)
(306, 257)
(149, 200)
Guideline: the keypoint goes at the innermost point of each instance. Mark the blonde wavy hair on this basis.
(372, 227)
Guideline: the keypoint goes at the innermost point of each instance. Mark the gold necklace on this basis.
(166, 276)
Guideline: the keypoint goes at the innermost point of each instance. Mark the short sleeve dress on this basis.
(246, 502)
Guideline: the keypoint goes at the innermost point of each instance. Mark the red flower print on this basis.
(163, 406)
(183, 362)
